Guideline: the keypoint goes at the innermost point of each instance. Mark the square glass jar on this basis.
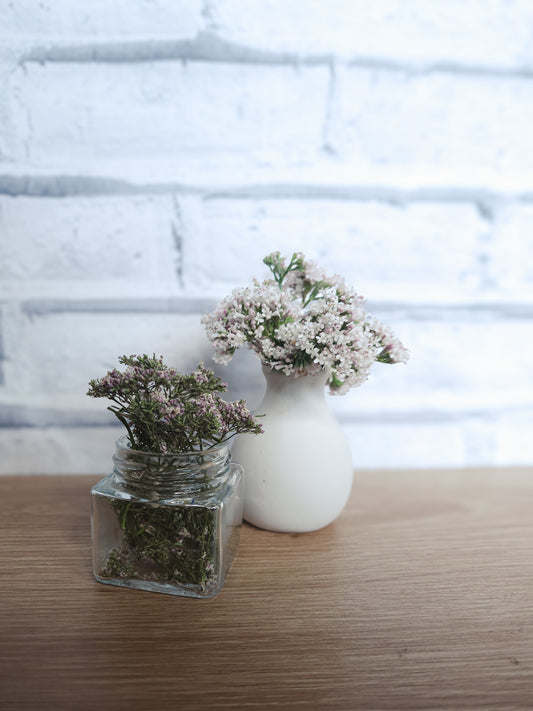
(167, 523)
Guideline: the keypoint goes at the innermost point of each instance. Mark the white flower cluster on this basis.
(301, 322)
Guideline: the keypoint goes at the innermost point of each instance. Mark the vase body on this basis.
(167, 522)
(298, 473)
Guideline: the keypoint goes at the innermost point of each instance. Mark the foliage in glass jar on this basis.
(177, 427)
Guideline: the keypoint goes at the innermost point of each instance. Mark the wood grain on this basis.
(420, 596)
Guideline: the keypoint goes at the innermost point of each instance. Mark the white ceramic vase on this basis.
(298, 473)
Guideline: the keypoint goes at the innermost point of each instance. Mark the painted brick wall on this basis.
(151, 155)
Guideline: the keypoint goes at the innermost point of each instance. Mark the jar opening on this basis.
(151, 474)
(123, 443)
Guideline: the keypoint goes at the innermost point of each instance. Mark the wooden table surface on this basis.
(420, 596)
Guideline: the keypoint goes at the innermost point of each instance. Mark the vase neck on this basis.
(304, 392)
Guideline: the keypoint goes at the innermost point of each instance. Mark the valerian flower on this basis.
(166, 411)
(300, 322)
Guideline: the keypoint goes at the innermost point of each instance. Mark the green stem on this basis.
(124, 514)
(125, 423)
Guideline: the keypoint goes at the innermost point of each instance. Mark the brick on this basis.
(514, 443)
(485, 34)
(386, 251)
(68, 115)
(436, 121)
(6, 66)
(61, 18)
(57, 355)
(121, 238)
(55, 450)
(405, 446)
(504, 439)
(468, 442)
(2, 353)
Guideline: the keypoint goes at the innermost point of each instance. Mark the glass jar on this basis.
(167, 523)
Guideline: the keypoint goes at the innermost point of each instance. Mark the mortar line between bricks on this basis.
(136, 305)
(60, 186)
(390, 194)
(463, 311)
(208, 47)
(177, 237)
(205, 47)
(15, 416)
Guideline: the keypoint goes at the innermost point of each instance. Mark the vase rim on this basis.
(267, 369)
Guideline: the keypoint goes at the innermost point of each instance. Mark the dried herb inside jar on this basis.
(165, 544)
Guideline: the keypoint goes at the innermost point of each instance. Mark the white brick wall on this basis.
(152, 154)
(435, 120)
(88, 239)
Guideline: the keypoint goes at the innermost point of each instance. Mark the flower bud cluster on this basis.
(301, 322)
(166, 411)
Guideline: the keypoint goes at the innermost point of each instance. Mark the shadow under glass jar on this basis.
(167, 523)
